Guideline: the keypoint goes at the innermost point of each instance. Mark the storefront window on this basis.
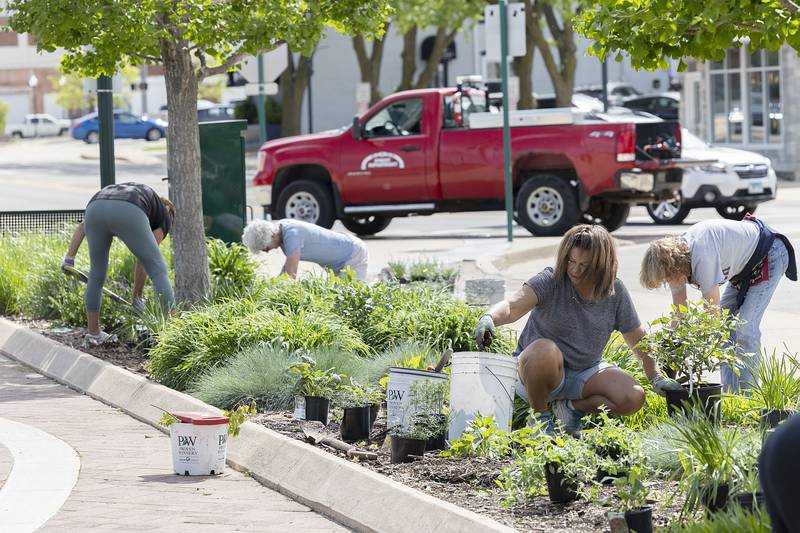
(746, 97)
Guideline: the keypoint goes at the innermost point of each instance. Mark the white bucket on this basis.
(199, 449)
(481, 383)
(398, 393)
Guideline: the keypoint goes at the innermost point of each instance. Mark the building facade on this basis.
(743, 102)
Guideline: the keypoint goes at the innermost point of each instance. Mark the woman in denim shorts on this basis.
(574, 309)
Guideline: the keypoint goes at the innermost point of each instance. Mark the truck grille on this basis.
(747, 172)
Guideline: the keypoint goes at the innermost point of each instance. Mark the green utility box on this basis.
(223, 174)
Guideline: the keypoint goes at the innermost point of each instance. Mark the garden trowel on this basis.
(74, 272)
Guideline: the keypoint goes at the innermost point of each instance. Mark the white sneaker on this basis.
(571, 419)
(99, 339)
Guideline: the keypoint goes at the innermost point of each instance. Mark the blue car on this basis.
(126, 126)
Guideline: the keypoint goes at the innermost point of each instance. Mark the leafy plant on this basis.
(776, 382)
(426, 271)
(232, 270)
(239, 416)
(481, 438)
(312, 381)
(167, 419)
(355, 394)
(733, 519)
(616, 445)
(693, 340)
(631, 489)
(708, 456)
(426, 400)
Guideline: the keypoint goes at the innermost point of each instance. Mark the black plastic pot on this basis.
(708, 396)
(404, 450)
(748, 500)
(317, 408)
(640, 521)
(436, 443)
(770, 418)
(716, 503)
(559, 489)
(356, 424)
(374, 409)
(606, 478)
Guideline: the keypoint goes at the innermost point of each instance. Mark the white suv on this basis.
(734, 185)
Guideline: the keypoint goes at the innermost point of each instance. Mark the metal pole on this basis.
(310, 108)
(262, 115)
(143, 87)
(605, 85)
(105, 111)
(506, 128)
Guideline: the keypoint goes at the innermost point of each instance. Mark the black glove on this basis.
(485, 332)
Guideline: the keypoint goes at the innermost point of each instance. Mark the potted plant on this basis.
(425, 421)
(357, 402)
(776, 386)
(569, 467)
(631, 491)
(749, 495)
(710, 462)
(315, 387)
(693, 340)
(612, 442)
(426, 403)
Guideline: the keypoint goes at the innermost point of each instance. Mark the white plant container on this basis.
(199, 444)
(398, 393)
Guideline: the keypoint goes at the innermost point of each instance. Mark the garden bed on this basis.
(470, 483)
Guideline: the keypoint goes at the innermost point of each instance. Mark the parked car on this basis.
(126, 126)
(734, 185)
(664, 105)
(39, 125)
(207, 111)
(617, 91)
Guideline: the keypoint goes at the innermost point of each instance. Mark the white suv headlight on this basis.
(713, 168)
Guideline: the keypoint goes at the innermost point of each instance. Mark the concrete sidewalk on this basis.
(126, 481)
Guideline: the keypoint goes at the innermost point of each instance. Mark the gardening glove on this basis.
(662, 384)
(485, 332)
(68, 262)
(138, 304)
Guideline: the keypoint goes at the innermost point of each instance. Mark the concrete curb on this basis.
(353, 496)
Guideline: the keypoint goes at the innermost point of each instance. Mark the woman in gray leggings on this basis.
(141, 219)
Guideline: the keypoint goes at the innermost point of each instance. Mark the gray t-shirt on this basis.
(318, 245)
(719, 249)
(580, 328)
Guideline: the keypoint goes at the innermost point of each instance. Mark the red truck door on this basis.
(390, 157)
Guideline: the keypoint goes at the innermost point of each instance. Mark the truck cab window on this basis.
(402, 117)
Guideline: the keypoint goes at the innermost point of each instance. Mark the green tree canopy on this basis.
(652, 31)
(193, 39)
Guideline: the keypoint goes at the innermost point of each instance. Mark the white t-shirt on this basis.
(719, 249)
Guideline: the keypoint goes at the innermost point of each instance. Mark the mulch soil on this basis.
(468, 483)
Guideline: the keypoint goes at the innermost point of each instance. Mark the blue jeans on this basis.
(748, 334)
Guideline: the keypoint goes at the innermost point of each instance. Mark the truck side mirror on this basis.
(357, 133)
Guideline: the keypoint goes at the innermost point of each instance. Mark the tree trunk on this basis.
(523, 66)
(409, 59)
(443, 40)
(294, 82)
(190, 256)
(563, 73)
(370, 65)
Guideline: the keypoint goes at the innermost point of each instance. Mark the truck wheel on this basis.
(368, 225)
(612, 215)
(307, 201)
(17, 135)
(547, 206)
(736, 211)
(671, 211)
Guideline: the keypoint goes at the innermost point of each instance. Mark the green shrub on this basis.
(260, 374)
(733, 519)
(233, 273)
(3, 116)
(206, 337)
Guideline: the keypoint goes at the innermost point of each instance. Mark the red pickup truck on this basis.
(437, 150)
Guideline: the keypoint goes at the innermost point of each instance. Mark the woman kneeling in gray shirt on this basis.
(573, 311)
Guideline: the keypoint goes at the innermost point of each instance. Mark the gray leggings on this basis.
(108, 218)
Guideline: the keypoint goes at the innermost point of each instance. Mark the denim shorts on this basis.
(571, 386)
